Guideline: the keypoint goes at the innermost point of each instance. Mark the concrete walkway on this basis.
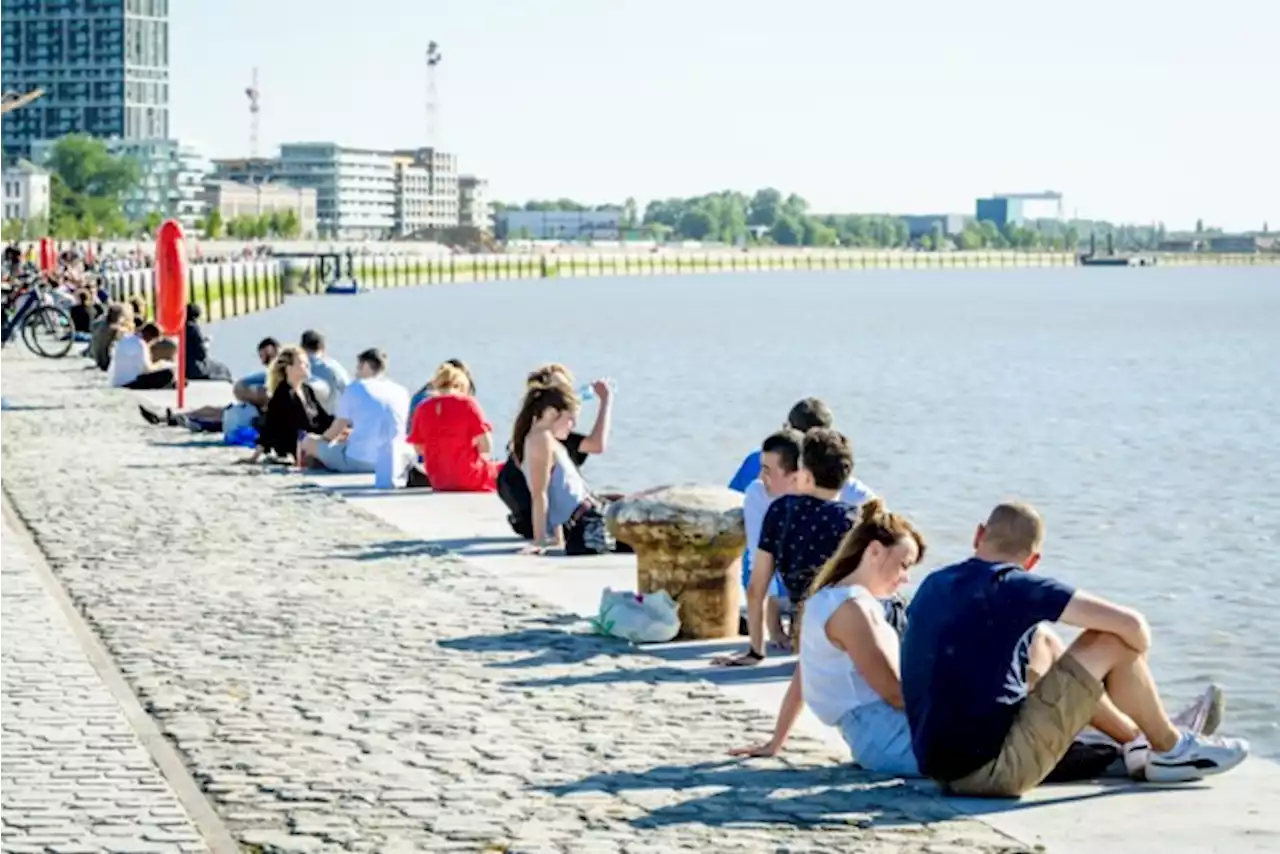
(76, 775)
(335, 685)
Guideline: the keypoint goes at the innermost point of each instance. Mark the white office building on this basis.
(26, 192)
(474, 210)
(355, 187)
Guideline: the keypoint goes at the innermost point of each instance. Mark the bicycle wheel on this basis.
(47, 332)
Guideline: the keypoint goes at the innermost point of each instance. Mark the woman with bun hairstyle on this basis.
(513, 489)
(565, 512)
(450, 432)
(848, 670)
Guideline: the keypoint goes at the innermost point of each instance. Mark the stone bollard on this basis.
(687, 539)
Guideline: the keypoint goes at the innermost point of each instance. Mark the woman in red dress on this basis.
(454, 438)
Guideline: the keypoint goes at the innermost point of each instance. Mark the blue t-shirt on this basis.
(747, 472)
(802, 532)
(964, 660)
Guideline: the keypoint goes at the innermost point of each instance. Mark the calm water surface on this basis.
(1138, 409)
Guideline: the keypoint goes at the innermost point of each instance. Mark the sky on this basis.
(1137, 110)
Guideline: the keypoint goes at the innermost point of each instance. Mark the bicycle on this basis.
(46, 329)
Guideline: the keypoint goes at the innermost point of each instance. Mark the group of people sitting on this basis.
(306, 410)
(122, 341)
(968, 684)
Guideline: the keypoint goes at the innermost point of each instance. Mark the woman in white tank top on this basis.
(848, 670)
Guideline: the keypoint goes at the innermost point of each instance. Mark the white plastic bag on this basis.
(637, 617)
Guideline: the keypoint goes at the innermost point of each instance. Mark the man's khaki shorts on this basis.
(1056, 709)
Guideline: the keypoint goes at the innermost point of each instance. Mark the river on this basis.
(1137, 408)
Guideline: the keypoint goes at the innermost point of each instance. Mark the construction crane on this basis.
(433, 59)
(253, 94)
(12, 100)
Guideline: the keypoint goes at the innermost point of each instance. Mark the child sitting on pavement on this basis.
(799, 533)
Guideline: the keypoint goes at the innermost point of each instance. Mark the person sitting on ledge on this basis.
(200, 365)
(328, 378)
(371, 413)
(848, 670)
(995, 700)
(293, 411)
(250, 402)
(749, 480)
(565, 511)
(513, 488)
(453, 437)
(82, 315)
(800, 532)
(114, 325)
(425, 392)
(138, 307)
(132, 366)
(779, 465)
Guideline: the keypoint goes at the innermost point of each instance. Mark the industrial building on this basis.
(560, 225)
(232, 199)
(103, 66)
(919, 225)
(1004, 209)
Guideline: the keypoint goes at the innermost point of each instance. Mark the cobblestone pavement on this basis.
(333, 685)
(75, 776)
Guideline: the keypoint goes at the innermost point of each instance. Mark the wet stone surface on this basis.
(334, 685)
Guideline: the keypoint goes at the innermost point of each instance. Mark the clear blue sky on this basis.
(1137, 110)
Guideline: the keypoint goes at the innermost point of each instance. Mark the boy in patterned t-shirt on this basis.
(800, 532)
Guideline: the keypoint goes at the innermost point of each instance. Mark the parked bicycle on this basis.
(46, 329)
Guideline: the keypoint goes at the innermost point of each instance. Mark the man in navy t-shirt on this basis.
(973, 639)
(800, 532)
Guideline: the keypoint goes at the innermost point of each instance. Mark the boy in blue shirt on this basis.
(980, 726)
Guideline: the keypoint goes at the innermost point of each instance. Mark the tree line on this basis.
(768, 217)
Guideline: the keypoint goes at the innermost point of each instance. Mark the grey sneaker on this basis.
(1204, 714)
(1196, 757)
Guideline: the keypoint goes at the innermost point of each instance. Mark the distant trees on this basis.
(87, 188)
(769, 216)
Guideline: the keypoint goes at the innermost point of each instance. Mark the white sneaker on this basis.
(1136, 753)
(1201, 716)
(1196, 757)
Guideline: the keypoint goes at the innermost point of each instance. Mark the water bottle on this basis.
(586, 393)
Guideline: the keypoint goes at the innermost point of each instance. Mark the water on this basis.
(1138, 409)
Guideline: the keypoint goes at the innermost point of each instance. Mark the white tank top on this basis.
(831, 684)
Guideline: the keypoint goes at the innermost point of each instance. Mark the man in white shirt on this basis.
(372, 417)
(131, 365)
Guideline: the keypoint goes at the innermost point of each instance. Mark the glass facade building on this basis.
(103, 66)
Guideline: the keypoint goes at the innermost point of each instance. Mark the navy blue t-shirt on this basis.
(964, 660)
(802, 532)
